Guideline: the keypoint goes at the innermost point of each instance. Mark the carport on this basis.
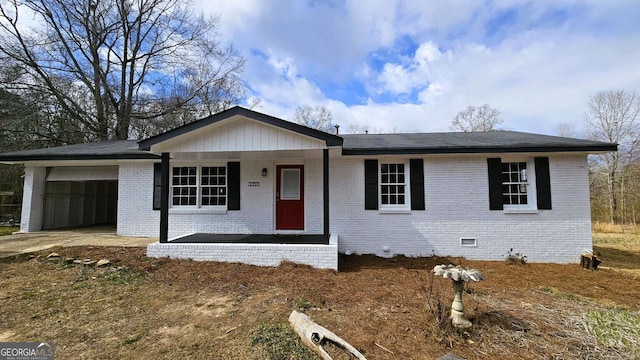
(80, 196)
(75, 185)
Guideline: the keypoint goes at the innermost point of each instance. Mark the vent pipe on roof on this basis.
(337, 128)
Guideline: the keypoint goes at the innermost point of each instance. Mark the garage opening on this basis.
(80, 196)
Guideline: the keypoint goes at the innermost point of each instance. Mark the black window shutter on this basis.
(543, 183)
(417, 184)
(371, 184)
(157, 185)
(233, 185)
(494, 166)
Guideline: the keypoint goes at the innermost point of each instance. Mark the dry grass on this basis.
(620, 249)
(607, 228)
(8, 230)
(158, 308)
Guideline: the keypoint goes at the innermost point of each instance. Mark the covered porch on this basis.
(244, 187)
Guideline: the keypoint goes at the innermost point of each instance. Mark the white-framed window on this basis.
(517, 191)
(199, 186)
(394, 186)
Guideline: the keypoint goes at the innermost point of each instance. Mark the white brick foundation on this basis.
(318, 256)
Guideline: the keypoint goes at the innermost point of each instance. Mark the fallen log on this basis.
(315, 336)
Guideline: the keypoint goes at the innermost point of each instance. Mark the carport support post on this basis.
(164, 198)
(325, 190)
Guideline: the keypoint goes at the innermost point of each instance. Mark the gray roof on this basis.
(353, 144)
(461, 142)
(116, 149)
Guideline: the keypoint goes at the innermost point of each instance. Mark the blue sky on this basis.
(409, 66)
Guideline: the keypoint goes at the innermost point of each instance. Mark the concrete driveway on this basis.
(96, 236)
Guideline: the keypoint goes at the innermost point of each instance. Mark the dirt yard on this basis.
(143, 308)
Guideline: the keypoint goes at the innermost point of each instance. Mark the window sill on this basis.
(195, 211)
(394, 211)
(520, 211)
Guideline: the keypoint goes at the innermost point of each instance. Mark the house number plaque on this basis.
(254, 183)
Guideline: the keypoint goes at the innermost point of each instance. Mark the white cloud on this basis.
(537, 62)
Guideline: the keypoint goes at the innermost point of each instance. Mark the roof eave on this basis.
(25, 158)
(479, 150)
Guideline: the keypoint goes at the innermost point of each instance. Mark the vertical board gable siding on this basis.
(239, 135)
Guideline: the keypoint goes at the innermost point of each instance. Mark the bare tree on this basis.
(614, 116)
(566, 129)
(477, 118)
(108, 64)
(317, 117)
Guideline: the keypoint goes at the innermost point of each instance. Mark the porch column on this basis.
(325, 190)
(164, 198)
(33, 198)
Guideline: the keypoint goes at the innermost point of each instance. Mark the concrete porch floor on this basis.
(206, 238)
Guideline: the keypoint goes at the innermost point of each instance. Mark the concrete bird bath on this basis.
(459, 276)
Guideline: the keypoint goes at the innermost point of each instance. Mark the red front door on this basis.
(290, 197)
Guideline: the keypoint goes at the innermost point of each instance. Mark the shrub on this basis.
(515, 258)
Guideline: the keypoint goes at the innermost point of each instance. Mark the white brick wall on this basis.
(457, 205)
(136, 216)
(319, 256)
(33, 199)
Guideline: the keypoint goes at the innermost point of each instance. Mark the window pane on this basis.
(392, 184)
(290, 184)
(213, 186)
(514, 185)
